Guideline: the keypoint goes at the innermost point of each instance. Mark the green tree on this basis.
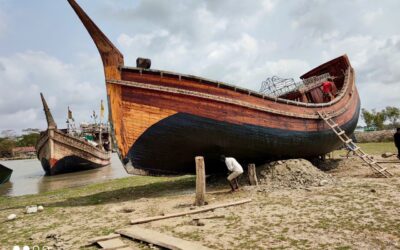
(28, 140)
(392, 114)
(368, 117)
(6, 147)
(374, 118)
(379, 119)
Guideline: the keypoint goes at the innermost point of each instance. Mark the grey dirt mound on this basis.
(293, 173)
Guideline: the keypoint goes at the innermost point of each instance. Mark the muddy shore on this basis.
(356, 210)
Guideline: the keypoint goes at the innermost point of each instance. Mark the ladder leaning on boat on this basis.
(353, 147)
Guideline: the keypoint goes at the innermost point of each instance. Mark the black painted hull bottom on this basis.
(169, 146)
(69, 164)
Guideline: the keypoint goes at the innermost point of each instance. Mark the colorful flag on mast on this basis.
(70, 115)
(102, 110)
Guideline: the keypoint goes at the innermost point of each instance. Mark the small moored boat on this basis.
(5, 174)
(60, 151)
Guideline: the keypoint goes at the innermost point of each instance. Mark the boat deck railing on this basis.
(163, 73)
(235, 101)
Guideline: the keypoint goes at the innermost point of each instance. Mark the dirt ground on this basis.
(344, 207)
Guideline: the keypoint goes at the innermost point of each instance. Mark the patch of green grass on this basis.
(106, 231)
(195, 235)
(117, 190)
(343, 248)
(298, 243)
(324, 223)
(373, 148)
(232, 221)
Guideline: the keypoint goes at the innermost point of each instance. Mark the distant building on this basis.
(24, 152)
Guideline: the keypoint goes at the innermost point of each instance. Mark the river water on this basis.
(28, 177)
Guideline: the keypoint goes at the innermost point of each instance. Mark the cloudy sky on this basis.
(45, 48)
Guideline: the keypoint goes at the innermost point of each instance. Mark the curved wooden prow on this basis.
(51, 124)
(110, 55)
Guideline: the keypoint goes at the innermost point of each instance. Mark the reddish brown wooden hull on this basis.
(146, 109)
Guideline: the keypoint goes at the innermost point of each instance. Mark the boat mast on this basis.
(51, 124)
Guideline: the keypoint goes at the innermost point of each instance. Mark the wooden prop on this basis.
(251, 170)
(200, 181)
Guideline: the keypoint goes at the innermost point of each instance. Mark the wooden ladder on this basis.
(353, 147)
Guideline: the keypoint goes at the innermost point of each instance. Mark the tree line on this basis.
(9, 140)
(387, 118)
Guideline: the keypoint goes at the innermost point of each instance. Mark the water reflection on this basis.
(28, 177)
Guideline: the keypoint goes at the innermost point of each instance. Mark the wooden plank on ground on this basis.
(102, 238)
(195, 211)
(159, 239)
(112, 244)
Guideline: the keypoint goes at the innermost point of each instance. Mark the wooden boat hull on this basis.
(60, 153)
(161, 120)
(169, 146)
(163, 129)
(5, 174)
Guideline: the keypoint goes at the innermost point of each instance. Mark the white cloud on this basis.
(376, 62)
(370, 17)
(238, 61)
(268, 5)
(25, 75)
(378, 95)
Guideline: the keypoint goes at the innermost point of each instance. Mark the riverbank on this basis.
(18, 158)
(355, 210)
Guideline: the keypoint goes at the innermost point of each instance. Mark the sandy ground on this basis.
(352, 210)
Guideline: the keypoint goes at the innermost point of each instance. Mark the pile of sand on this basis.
(294, 173)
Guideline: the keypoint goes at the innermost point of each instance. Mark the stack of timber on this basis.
(161, 120)
(5, 174)
(61, 152)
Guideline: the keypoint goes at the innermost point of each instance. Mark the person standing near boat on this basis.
(327, 88)
(397, 141)
(235, 168)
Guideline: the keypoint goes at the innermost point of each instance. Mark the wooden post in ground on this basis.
(251, 171)
(200, 181)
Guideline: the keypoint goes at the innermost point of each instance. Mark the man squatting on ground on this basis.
(235, 168)
(397, 142)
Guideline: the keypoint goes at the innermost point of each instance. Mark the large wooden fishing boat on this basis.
(5, 174)
(161, 119)
(59, 151)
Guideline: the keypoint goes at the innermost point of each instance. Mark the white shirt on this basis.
(233, 165)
